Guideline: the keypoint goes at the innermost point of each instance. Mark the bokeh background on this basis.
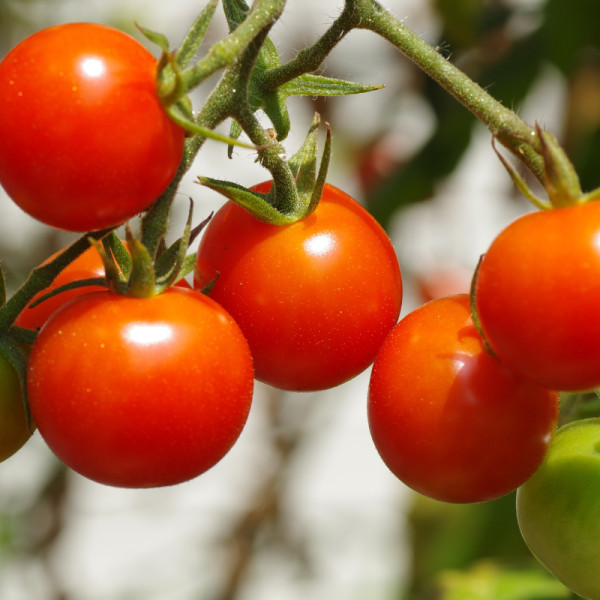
(303, 507)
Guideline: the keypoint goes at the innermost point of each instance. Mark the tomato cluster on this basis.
(136, 382)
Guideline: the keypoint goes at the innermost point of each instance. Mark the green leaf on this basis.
(195, 35)
(315, 85)
(488, 581)
(156, 38)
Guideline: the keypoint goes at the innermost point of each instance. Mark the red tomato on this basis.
(448, 419)
(140, 393)
(314, 299)
(86, 266)
(537, 297)
(84, 141)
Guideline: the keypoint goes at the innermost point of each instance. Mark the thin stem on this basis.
(505, 125)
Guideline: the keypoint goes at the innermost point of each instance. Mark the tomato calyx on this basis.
(282, 205)
(561, 181)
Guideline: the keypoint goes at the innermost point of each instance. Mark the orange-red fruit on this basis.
(448, 419)
(314, 299)
(137, 392)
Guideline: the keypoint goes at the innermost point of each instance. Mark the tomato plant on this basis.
(537, 291)
(140, 392)
(84, 141)
(87, 265)
(314, 299)
(558, 508)
(448, 419)
(13, 422)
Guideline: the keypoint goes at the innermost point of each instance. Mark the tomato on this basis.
(87, 265)
(537, 297)
(314, 299)
(558, 508)
(84, 141)
(13, 422)
(448, 419)
(139, 393)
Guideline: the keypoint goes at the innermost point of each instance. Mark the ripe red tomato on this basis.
(13, 422)
(139, 393)
(314, 299)
(537, 297)
(84, 141)
(448, 419)
(88, 265)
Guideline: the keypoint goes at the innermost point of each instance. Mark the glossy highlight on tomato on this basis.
(448, 419)
(314, 299)
(537, 297)
(140, 393)
(84, 142)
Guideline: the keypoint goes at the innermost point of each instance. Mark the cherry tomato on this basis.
(13, 422)
(84, 141)
(448, 419)
(558, 508)
(139, 393)
(314, 299)
(537, 297)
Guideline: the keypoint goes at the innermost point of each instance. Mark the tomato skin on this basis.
(314, 299)
(84, 141)
(448, 419)
(537, 297)
(87, 265)
(558, 508)
(140, 392)
(13, 422)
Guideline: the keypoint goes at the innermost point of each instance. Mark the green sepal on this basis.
(207, 289)
(304, 163)
(73, 285)
(172, 276)
(473, 307)
(156, 38)
(234, 133)
(236, 12)
(316, 85)
(195, 35)
(14, 355)
(141, 280)
(180, 116)
(114, 278)
(186, 267)
(165, 263)
(322, 176)
(113, 243)
(2, 287)
(520, 182)
(562, 182)
(22, 335)
(254, 202)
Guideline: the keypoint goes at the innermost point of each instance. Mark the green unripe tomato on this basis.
(559, 508)
(13, 422)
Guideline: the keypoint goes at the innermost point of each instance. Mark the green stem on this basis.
(505, 125)
(226, 52)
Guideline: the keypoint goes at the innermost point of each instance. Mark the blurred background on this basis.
(303, 507)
